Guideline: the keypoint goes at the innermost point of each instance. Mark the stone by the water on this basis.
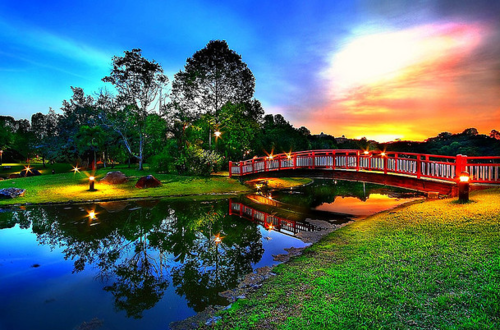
(115, 177)
(148, 181)
(11, 193)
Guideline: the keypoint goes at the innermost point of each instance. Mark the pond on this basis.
(144, 264)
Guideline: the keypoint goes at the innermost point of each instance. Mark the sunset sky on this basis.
(382, 70)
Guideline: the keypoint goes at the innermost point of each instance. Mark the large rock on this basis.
(31, 172)
(14, 176)
(115, 177)
(11, 193)
(148, 182)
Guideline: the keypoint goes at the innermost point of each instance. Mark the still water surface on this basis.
(144, 264)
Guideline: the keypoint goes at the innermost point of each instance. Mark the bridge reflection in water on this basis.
(268, 220)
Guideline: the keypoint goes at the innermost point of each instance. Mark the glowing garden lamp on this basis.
(217, 134)
(92, 215)
(463, 187)
(217, 239)
(382, 154)
(75, 169)
(366, 152)
(91, 183)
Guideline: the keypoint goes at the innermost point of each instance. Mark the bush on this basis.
(197, 161)
(165, 160)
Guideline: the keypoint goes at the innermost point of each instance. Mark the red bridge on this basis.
(422, 172)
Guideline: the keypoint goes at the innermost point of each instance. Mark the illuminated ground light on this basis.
(92, 183)
(75, 169)
(463, 187)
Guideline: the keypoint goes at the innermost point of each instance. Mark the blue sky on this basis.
(325, 65)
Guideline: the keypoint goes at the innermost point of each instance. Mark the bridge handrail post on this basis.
(333, 160)
(313, 160)
(230, 168)
(253, 166)
(460, 165)
(357, 160)
(279, 163)
(384, 160)
(265, 165)
(396, 162)
(419, 166)
(294, 161)
(241, 169)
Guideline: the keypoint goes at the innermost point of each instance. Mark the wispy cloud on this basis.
(23, 40)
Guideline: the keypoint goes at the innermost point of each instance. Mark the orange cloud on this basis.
(409, 84)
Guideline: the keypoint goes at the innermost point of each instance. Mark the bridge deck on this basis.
(409, 170)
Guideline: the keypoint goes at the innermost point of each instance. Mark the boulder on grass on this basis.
(31, 172)
(115, 177)
(14, 176)
(11, 193)
(148, 182)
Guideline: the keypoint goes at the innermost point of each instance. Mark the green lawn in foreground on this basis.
(431, 265)
(67, 186)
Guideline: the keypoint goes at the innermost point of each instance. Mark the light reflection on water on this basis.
(136, 264)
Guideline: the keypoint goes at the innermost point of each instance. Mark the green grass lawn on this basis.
(65, 186)
(431, 265)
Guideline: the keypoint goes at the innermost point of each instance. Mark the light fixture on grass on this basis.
(463, 187)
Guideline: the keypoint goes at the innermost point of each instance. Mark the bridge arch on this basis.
(423, 172)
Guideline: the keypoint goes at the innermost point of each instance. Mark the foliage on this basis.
(212, 77)
(279, 135)
(139, 83)
(197, 161)
(164, 161)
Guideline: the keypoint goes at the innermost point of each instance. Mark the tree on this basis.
(6, 134)
(139, 83)
(44, 130)
(212, 77)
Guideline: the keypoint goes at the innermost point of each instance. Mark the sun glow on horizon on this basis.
(402, 84)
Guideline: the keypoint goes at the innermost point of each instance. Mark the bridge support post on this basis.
(460, 165)
(230, 168)
(357, 161)
(419, 166)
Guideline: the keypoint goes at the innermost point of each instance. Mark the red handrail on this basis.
(485, 169)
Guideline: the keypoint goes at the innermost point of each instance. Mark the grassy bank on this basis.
(432, 265)
(67, 186)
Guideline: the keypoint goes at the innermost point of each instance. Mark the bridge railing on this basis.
(481, 169)
(286, 226)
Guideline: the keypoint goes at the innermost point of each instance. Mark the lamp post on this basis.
(463, 187)
(91, 183)
(1, 152)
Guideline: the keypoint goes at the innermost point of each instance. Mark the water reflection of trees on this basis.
(138, 251)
